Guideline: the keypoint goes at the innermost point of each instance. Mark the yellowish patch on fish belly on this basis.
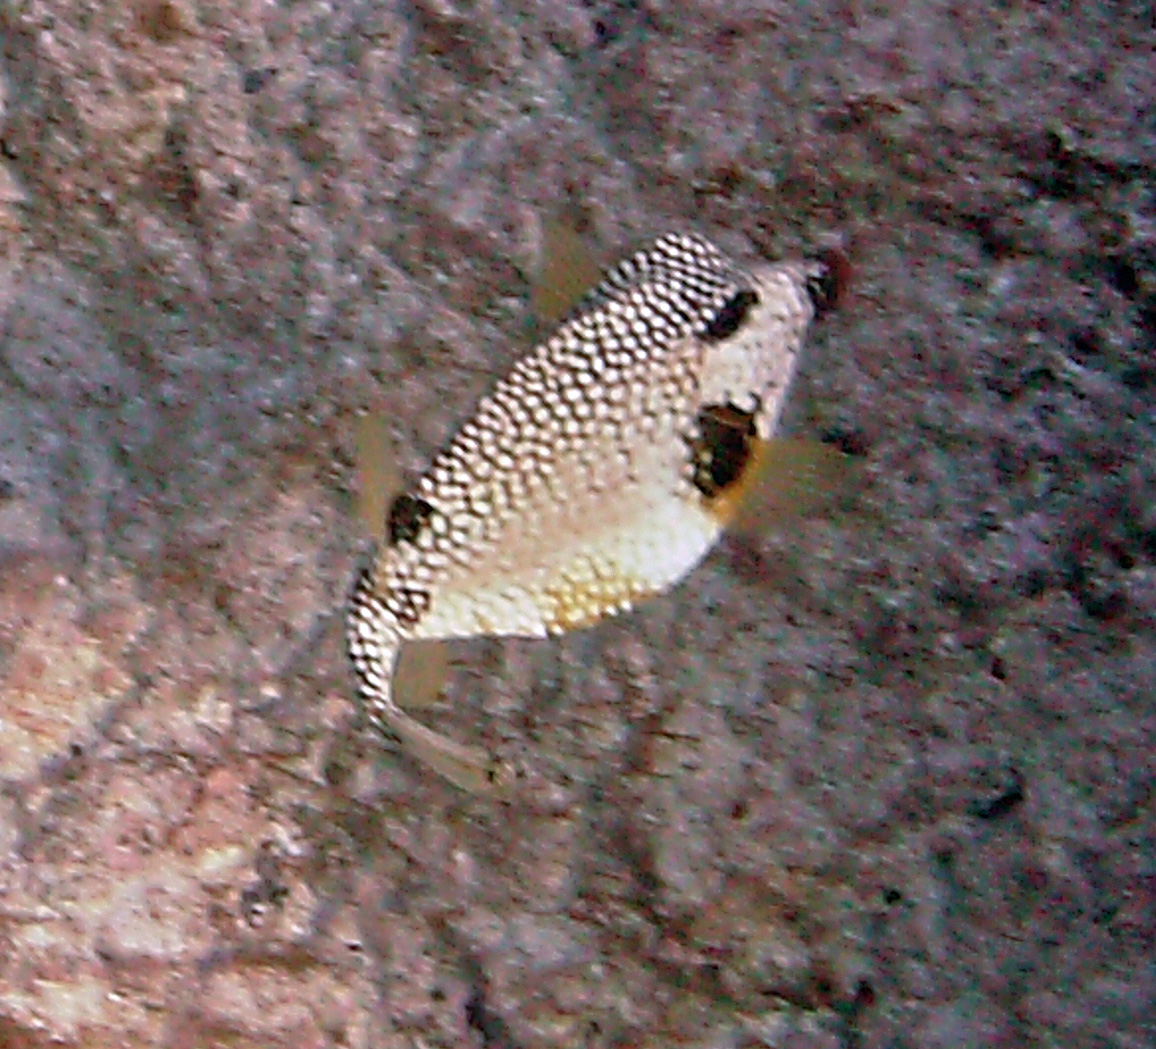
(589, 594)
(628, 564)
(574, 575)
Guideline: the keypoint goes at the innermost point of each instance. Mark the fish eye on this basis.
(729, 319)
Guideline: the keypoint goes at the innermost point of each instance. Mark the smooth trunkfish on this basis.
(597, 473)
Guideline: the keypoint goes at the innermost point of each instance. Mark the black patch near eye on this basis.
(721, 450)
(407, 516)
(734, 311)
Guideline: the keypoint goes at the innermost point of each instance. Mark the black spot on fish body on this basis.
(407, 516)
(729, 319)
(722, 447)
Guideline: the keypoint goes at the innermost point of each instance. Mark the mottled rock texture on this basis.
(879, 777)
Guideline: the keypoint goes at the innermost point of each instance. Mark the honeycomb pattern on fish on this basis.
(595, 474)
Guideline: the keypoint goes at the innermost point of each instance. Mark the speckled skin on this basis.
(587, 479)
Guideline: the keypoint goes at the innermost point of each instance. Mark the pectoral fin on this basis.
(781, 479)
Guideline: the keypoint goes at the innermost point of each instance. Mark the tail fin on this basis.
(373, 640)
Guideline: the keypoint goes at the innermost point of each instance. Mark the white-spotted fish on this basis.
(598, 473)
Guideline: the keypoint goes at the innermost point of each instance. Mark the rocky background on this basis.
(882, 776)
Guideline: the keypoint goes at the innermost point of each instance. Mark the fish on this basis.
(595, 475)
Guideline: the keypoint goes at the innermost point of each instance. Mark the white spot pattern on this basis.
(568, 495)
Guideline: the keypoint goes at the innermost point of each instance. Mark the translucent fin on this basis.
(423, 668)
(378, 474)
(471, 769)
(568, 272)
(784, 478)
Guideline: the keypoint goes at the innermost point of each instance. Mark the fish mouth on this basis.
(829, 275)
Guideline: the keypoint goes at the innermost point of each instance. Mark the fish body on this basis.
(597, 473)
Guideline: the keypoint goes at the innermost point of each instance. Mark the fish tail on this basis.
(373, 637)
